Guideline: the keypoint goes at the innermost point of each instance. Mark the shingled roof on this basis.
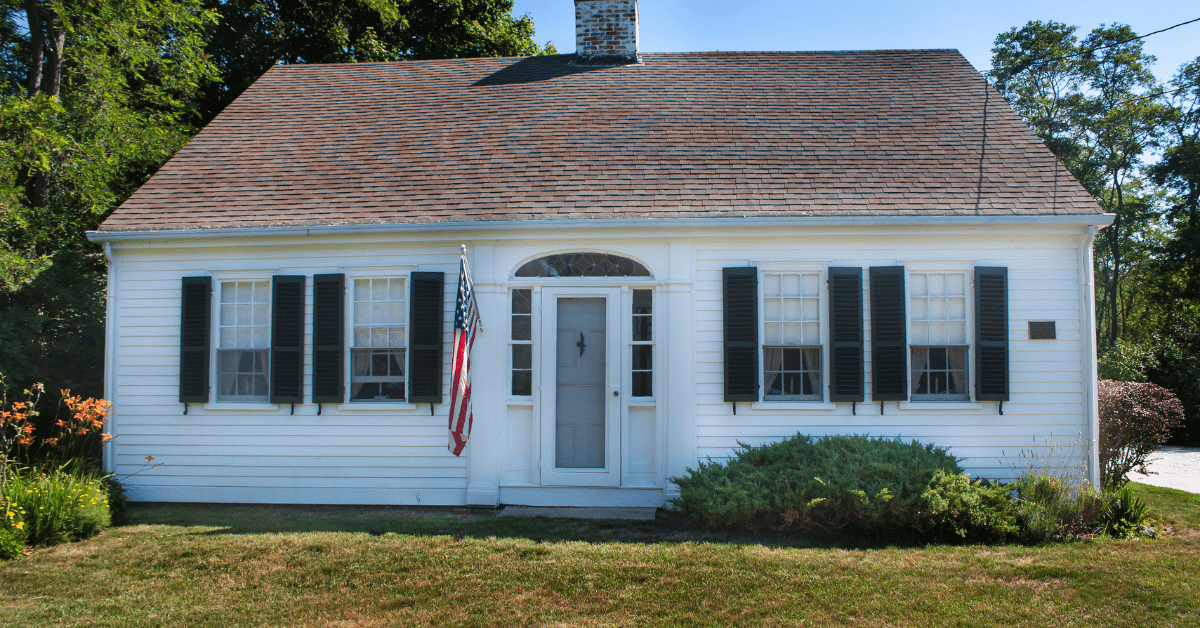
(746, 134)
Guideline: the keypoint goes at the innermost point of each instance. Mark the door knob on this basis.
(616, 393)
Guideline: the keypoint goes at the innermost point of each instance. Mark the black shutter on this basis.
(740, 292)
(846, 334)
(194, 337)
(287, 338)
(991, 333)
(889, 362)
(329, 326)
(426, 315)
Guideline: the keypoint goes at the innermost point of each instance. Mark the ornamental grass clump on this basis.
(819, 487)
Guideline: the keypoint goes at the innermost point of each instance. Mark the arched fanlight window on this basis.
(582, 265)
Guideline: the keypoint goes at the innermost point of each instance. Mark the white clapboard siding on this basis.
(348, 454)
(1047, 406)
(396, 454)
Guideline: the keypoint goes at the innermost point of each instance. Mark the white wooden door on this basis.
(581, 399)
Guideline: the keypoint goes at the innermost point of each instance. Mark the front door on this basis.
(580, 406)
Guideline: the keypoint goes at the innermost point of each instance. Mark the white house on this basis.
(672, 253)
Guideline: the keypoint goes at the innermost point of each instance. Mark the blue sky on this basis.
(969, 26)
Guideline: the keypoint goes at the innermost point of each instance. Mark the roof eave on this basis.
(1100, 221)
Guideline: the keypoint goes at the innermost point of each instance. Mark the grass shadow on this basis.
(247, 519)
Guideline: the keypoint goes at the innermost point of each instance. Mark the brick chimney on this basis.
(606, 31)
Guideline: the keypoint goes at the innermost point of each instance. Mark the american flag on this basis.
(466, 324)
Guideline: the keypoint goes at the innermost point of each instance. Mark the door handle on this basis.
(616, 393)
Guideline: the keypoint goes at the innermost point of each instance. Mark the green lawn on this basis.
(262, 566)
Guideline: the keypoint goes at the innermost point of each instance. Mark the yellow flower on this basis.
(20, 525)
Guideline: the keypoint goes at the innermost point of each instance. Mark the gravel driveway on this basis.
(1174, 467)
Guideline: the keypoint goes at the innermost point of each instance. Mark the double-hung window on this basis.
(792, 361)
(938, 336)
(378, 351)
(244, 341)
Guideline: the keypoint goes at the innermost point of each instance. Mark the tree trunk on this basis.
(1115, 248)
(56, 38)
(36, 44)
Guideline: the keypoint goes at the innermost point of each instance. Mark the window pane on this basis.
(362, 290)
(641, 328)
(810, 312)
(362, 363)
(396, 292)
(791, 285)
(771, 284)
(791, 359)
(937, 285)
(955, 283)
(791, 309)
(522, 302)
(522, 356)
(642, 357)
(522, 327)
(642, 301)
(522, 383)
(811, 285)
(772, 310)
(642, 384)
(773, 333)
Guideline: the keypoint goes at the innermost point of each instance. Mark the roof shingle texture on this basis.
(884, 133)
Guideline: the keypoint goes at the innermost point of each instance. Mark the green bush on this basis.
(1055, 508)
(816, 486)
(956, 507)
(58, 506)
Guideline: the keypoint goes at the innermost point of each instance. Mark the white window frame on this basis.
(402, 274)
(219, 281)
(821, 270)
(966, 268)
(533, 310)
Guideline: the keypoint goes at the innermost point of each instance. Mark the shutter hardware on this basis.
(1001, 408)
(185, 405)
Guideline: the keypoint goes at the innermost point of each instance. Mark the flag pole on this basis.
(467, 269)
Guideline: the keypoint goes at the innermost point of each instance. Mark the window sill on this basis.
(243, 405)
(793, 405)
(641, 402)
(957, 406)
(380, 406)
(520, 401)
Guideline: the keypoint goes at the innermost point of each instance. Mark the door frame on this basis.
(610, 474)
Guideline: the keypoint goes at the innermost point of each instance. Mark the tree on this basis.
(97, 94)
(253, 35)
(1094, 104)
